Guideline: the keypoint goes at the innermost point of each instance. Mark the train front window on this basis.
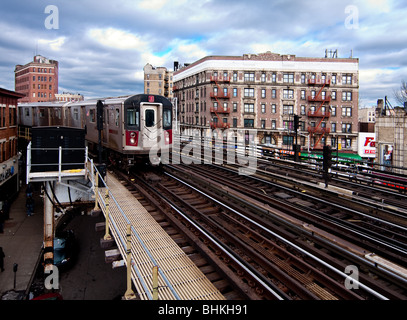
(167, 118)
(133, 117)
(149, 118)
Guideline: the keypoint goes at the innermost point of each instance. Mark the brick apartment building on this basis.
(158, 81)
(259, 94)
(37, 80)
(8, 144)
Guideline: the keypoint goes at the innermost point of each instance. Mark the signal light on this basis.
(327, 158)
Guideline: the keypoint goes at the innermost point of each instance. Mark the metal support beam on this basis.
(107, 231)
(155, 283)
(129, 292)
(48, 228)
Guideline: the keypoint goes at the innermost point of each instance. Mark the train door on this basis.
(150, 123)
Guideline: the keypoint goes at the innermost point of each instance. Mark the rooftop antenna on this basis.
(331, 54)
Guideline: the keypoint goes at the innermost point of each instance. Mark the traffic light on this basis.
(99, 115)
(327, 158)
(296, 122)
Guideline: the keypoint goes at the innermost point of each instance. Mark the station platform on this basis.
(179, 278)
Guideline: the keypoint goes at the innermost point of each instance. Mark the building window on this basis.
(288, 140)
(288, 109)
(333, 127)
(274, 78)
(333, 95)
(249, 77)
(273, 93)
(263, 93)
(346, 128)
(249, 107)
(346, 143)
(235, 76)
(234, 107)
(263, 124)
(333, 79)
(235, 92)
(346, 111)
(249, 123)
(263, 108)
(347, 96)
(234, 121)
(249, 92)
(273, 108)
(273, 124)
(263, 77)
(302, 94)
(288, 125)
(288, 77)
(347, 79)
(288, 94)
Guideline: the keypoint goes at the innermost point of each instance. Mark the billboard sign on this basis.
(367, 144)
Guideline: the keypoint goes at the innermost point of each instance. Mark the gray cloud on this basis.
(102, 46)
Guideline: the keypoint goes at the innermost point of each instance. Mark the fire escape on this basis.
(321, 114)
(219, 95)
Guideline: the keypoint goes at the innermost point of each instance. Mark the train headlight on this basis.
(132, 135)
(132, 140)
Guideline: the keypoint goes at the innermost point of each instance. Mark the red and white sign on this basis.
(367, 144)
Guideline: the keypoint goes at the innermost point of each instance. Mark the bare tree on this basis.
(401, 94)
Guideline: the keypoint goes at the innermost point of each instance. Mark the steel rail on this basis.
(371, 291)
(223, 247)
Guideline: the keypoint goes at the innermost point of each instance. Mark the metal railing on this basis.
(105, 201)
(60, 172)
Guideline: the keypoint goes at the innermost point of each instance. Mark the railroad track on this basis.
(361, 185)
(345, 251)
(259, 259)
(187, 236)
(329, 212)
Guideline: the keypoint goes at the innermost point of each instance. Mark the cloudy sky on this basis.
(103, 45)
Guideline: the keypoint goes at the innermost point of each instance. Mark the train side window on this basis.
(149, 118)
(92, 115)
(133, 117)
(117, 117)
(167, 118)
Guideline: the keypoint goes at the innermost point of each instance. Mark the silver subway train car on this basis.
(133, 126)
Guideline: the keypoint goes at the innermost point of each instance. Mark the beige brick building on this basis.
(158, 81)
(391, 137)
(260, 93)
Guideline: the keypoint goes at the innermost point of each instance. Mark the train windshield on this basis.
(133, 117)
(167, 118)
(150, 115)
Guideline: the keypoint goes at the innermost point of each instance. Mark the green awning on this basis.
(345, 157)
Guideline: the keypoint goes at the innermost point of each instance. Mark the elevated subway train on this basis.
(132, 125)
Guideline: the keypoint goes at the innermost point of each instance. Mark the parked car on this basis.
(64, 248)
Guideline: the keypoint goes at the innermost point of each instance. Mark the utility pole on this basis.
(327, 163)
(296, 147)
